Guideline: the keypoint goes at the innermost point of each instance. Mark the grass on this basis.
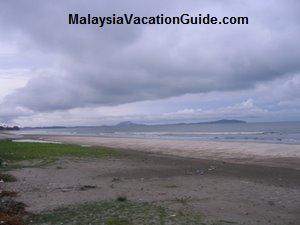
(116, 213)
(117, 221)
(18, 151)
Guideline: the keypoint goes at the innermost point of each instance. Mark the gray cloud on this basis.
(277, 100)
(123, 64)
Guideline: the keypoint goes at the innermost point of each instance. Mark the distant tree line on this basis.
(9, 128)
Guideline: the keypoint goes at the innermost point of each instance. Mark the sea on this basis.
(267, 132)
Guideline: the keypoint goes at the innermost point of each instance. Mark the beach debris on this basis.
(162, 193)
(86, 187)
(77, 188)
(121, 198)
(200, 172)
(66, 189)
(271, 203)
(116, 179)
(211, 168)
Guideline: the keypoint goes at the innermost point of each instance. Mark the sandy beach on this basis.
(278, 155)
(242, 183)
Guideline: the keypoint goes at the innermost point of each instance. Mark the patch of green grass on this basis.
(117, 221)
(116, 213)
(18, 151)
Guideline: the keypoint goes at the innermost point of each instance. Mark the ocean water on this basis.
(277, 132)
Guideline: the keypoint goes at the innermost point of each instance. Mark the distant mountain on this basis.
(129, 123)
(128, 126)
(136, 127)
(226, 121)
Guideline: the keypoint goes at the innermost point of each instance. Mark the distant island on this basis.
(129, 123)
(226, 121)
(137, 127)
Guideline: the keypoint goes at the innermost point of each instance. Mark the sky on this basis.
(54, 73)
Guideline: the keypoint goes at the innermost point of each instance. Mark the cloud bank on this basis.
(82, 66)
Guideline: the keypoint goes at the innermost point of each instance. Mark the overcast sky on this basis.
(53, 73)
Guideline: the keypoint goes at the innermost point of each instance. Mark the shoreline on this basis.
(272, 155)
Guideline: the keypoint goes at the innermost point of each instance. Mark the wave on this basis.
(190, 133)
(248, 136)
(276, 134)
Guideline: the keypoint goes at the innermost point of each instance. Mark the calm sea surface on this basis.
(279, 132)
